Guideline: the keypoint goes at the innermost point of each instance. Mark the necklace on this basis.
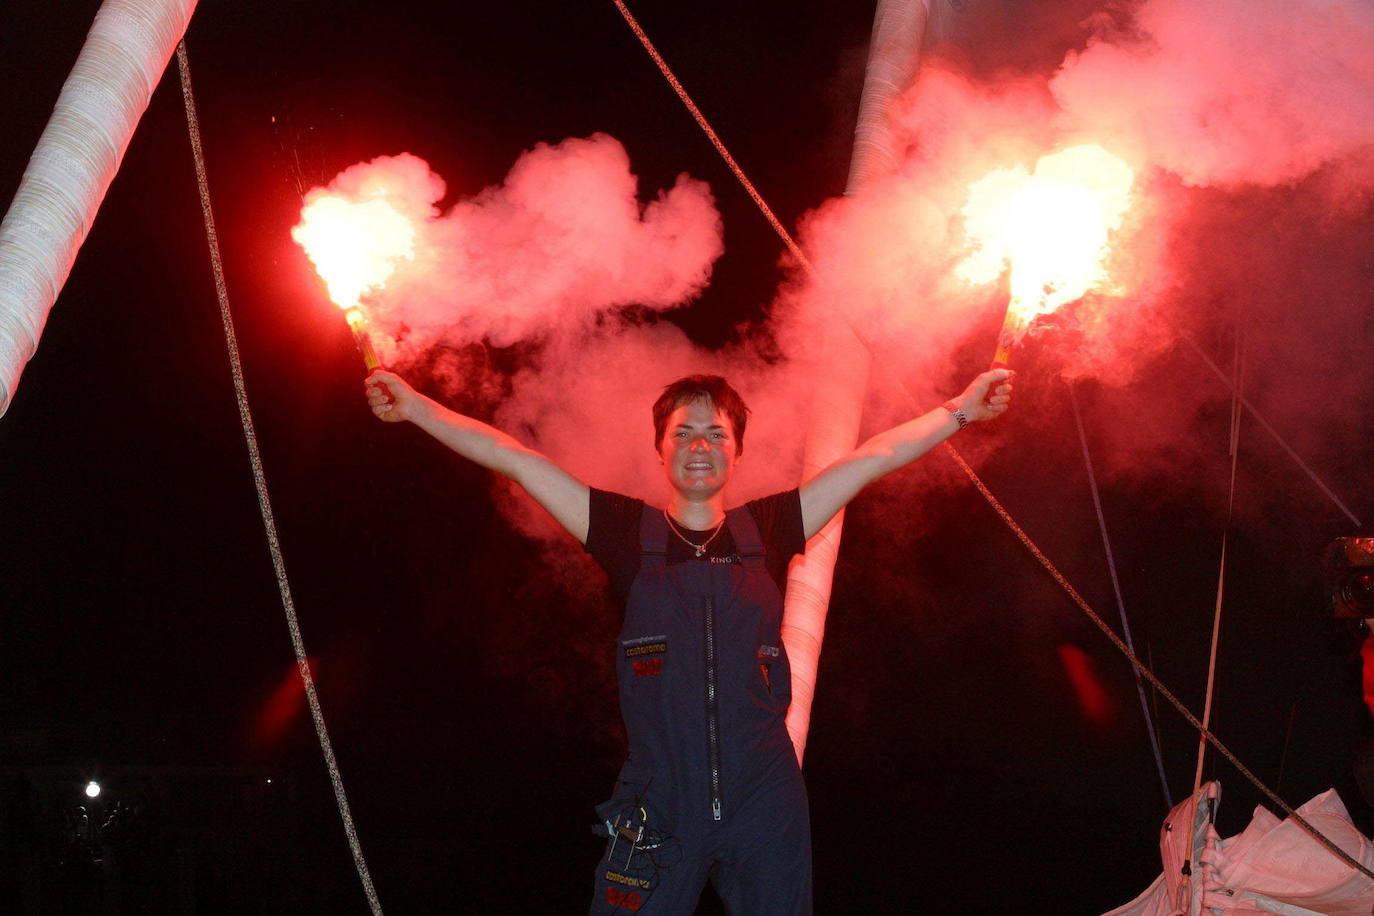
(699, 548)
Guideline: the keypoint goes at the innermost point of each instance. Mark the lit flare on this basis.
(1052, 227)
(355, 246)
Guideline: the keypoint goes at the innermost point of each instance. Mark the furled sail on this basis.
(73, 164)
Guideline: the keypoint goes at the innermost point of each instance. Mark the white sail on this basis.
(1271, 866)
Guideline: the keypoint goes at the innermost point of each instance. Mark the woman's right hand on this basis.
(391, 398)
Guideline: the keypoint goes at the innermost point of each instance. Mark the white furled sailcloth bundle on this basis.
(1271, 866)
(73, 164)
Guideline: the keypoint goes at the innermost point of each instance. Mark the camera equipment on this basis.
(1348, 570)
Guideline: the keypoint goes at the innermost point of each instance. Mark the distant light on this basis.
(269, 780)
(92, 789)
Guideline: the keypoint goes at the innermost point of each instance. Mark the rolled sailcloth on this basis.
(894, 55)
(73, 164)
(842, 371)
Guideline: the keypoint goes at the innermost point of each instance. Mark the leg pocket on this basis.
(640, 865)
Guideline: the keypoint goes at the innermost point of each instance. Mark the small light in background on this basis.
(92, 789)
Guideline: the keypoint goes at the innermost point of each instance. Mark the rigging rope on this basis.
(1283, 443)
(260, 482)
(977, 481)
(1234, 450)
(1120, 602)
(1233, 446)
(711, 134)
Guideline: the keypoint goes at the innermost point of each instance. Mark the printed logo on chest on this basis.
(646, 654)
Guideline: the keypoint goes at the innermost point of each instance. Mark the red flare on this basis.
(1051, 227)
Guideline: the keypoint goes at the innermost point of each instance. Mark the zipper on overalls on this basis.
(712, 725)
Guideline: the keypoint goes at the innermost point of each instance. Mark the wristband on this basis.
(955, 412)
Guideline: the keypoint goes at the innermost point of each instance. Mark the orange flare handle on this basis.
(1006, 340)
(364, 342)
(358, 325)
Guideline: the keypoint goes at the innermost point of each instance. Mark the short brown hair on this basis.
(710, 388)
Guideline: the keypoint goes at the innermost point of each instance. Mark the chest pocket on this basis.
(645, 656)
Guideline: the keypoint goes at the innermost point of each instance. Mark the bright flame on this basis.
(1052, 226)
(354, 245)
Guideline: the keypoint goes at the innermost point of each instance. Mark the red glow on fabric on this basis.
(648, 667)
(1093, 701)
(282, 708)
(1367, 671)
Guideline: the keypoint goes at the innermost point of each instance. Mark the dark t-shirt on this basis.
(613, 537)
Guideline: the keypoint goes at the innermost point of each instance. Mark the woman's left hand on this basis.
(988, 396)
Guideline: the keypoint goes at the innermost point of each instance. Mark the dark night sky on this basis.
(949, 768)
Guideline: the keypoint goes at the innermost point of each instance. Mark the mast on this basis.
(899, 28)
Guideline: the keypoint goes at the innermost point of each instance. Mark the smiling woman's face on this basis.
(698, 449)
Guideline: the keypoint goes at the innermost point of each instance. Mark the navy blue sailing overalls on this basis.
(711, 789)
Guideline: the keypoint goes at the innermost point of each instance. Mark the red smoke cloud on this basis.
(584, 400)
(1232, 94)
(562, 238)
(587, 400)
(1230, 91)
(884, 259)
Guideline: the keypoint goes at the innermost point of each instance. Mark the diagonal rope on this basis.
(711, 134)
(1120, 602)
(1283, 443)
(260, 483)
(982, 487)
